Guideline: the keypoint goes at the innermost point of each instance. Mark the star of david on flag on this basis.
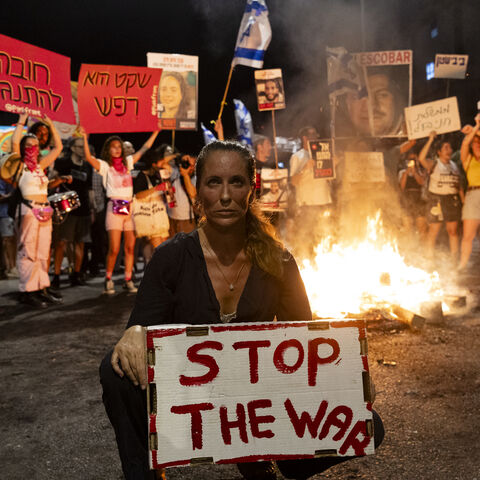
(254, 35)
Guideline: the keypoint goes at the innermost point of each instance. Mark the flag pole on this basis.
(173, 139)
(274, 139)
(225, 94)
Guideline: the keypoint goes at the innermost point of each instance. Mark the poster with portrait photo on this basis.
(177, 94)
(274, 190)
(269, 89)
(376, 107)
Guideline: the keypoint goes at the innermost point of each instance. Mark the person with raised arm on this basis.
(470, 157)
(35, 233)
(445, 195)
(115, 167)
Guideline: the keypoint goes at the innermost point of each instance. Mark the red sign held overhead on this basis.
(113, 98)
(34, 81)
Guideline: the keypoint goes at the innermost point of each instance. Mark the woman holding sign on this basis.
(470, 156)
(115, 169)
(445, 195)
(232, 269)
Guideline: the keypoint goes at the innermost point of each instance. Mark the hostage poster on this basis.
(177, 97)
(369, 92)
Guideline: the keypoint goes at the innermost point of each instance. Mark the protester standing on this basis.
(115, 167)
(35, 225)
(445, 195)
(470, 157)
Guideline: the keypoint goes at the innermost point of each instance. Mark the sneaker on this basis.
(130, 286)
(49, 297)
(109, 287)
(55, 283)
(13, 273)
(30, 298)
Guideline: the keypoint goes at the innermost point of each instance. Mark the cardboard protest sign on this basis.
(274, 189)
(67, 130)
(244, 392)
(371, 104)
(114, 98)
(440, 116)
(177, 100)
(321, 152)
(450, 66)
(269, 88)
(364, 167)
(34, 81)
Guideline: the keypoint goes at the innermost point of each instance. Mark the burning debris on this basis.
(370, 278)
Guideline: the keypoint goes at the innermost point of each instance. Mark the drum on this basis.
(64, 202)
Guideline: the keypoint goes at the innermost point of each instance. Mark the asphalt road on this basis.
(53, 425)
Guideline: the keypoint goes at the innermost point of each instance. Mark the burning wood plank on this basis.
(410, 318)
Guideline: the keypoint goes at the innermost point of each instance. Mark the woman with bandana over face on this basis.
(35, 218)
(115, 169)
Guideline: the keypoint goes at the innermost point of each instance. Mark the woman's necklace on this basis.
(231, 285)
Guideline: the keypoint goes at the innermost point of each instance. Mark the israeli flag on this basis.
(254, 35)
(243, 119)
(208, 136)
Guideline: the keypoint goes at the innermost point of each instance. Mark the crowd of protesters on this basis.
(110, 199)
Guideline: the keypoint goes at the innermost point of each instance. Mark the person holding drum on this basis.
(115, 169)
(231, 269)
(75, 206)
(35, 233)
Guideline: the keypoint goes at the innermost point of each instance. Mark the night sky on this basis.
(121, 32)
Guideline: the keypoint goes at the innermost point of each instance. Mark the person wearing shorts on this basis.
(470, 156)
(115, 170)
(75, 227)
(445, 196)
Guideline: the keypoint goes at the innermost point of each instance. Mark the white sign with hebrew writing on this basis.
(364, 167)
(450, 66)
(245, 392)
(440, 116)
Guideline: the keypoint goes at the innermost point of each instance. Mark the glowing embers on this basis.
(355, 277)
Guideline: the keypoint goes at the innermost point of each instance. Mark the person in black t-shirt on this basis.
(77, 224)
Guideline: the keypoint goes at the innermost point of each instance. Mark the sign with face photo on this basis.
(274, 191)
(177, 98)
(269, 88)
(373, 105)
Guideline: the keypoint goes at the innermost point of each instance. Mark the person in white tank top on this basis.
(445, 195)
(35, 217)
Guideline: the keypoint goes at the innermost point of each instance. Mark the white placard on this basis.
(244, 392)
(450, 66)
(364, 167)
(440, 116)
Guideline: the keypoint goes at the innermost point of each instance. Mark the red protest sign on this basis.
(258, 391)
(113, 98)
(34, 81)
